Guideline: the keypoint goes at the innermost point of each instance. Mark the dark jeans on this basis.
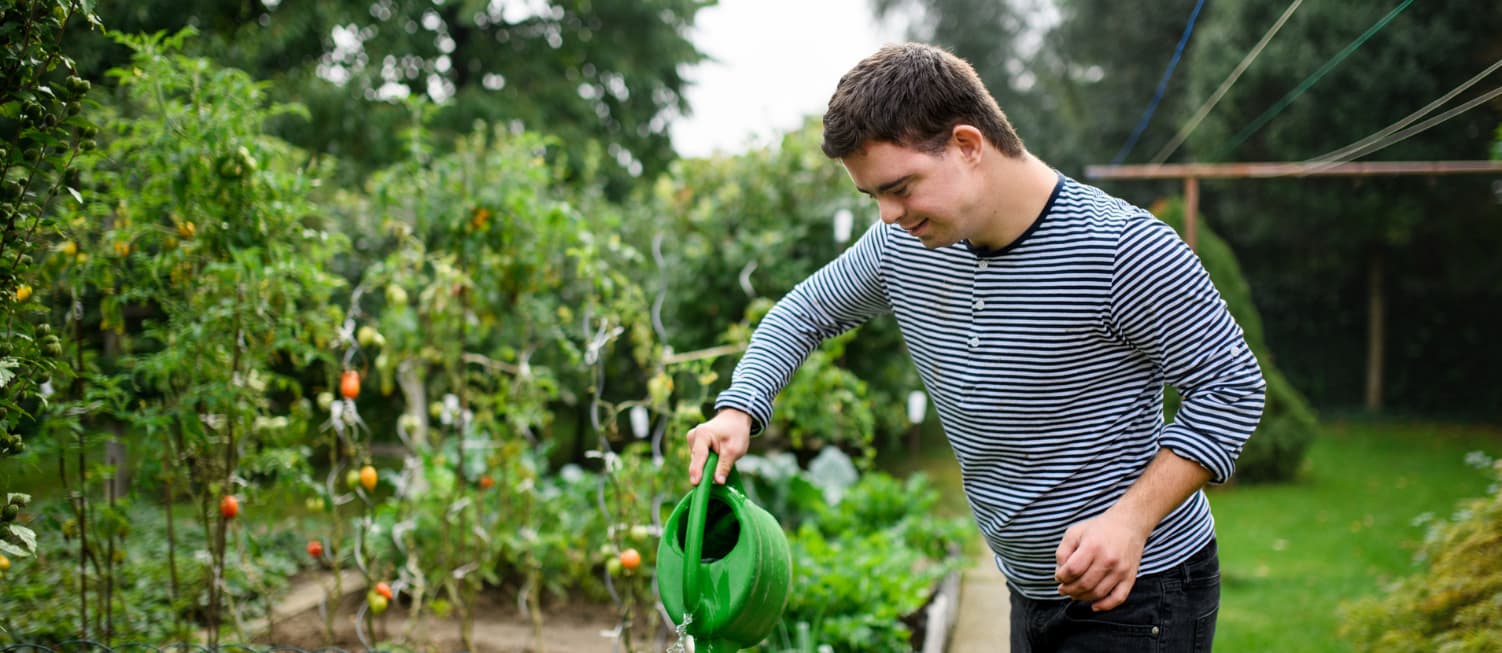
(1171, 611)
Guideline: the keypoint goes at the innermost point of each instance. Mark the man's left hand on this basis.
(1098, 560)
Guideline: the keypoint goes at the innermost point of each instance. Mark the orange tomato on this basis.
(630, 559)
(229, 506)
(368, 478)
(383, 589)
(486, 482)
(349, 384)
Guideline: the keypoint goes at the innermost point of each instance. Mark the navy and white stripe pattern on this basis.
(1046, 363)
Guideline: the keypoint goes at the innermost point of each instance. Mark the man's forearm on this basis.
(1166, 483)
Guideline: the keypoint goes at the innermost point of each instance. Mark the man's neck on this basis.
(1020, 188)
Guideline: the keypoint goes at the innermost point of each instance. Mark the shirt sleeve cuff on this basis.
(1200, 449)
(749, 402)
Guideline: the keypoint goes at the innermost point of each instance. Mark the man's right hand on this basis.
(728, 433)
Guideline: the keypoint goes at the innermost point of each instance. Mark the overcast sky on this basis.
(773, 62)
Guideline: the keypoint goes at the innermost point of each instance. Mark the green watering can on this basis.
(724, 561)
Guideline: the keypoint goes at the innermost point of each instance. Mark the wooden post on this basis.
(1376, 330)
(1191, 209)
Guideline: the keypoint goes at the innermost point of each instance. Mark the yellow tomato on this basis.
(368, 478)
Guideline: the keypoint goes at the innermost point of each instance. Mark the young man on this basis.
(1045, 318)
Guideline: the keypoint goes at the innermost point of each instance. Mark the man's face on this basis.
(926, 194)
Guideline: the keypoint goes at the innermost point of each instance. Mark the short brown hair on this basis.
(912, 94)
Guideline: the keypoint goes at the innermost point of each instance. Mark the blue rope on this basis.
(1147, 116)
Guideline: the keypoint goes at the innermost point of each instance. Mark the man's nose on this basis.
(891, 210)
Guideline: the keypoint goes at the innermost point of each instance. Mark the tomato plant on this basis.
(202, 298)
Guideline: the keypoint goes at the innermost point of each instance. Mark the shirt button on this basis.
(983, 264)
(974, 342)
(980, 304)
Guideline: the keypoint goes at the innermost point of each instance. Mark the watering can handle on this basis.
(698, 510)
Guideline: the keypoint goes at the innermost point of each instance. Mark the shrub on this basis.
(1454, 604)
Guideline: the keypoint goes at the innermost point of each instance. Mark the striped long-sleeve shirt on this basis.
(1046, 362)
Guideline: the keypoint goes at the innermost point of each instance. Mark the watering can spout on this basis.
(723, 566)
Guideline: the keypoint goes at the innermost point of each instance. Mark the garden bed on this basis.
(500, 626)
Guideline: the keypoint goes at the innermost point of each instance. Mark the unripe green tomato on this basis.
(352, 478)
(377, 602)
(396, 295)
(325, 400)
(366, 335)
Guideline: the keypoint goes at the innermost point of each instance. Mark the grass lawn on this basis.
(1291, 554)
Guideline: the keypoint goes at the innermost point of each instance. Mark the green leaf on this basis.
(12, 550)
(6, 365)
(74, 192)
(27, 536)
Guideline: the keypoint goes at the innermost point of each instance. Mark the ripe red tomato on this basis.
(486, 482)
(229, 506)
(315, 548)
(349, 384)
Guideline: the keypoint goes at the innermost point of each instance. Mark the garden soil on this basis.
(499, 625)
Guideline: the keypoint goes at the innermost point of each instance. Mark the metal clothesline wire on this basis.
(1225, 86)
(1309, 82)
(1405, 134)
(1152, 106)
(1354, 150)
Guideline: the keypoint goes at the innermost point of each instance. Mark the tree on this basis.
(1335, 257)
(1074, 76)
(595, 73)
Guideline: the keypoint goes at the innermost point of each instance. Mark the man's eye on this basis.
(900, 192)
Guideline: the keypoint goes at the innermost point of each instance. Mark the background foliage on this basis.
(473, 213)
(599, 74)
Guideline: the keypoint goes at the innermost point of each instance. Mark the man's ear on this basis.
(968, 140)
